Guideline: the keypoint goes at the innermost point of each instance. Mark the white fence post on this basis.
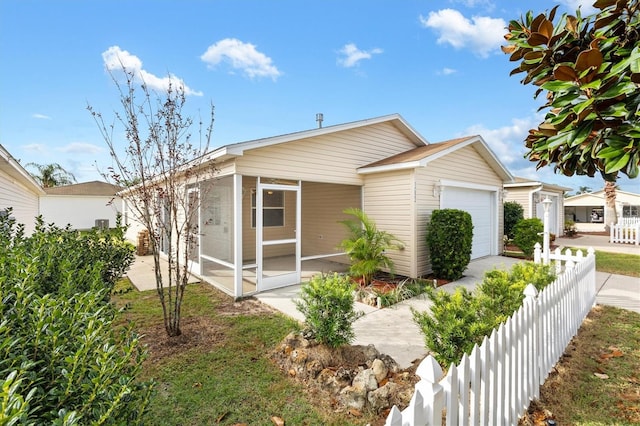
(537, 253)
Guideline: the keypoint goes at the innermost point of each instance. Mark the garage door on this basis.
(478, 204)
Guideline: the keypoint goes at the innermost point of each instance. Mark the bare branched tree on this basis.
(161, 168)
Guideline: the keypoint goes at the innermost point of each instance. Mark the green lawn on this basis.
(618, 263)
(223, 374)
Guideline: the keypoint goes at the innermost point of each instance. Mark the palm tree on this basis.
(50, 175)
(583, 190)
(610, 214)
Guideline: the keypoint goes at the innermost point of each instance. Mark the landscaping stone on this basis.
(366, 379)
(379, 369)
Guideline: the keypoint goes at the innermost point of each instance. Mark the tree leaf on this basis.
(565, 73)
(558, 86)
(537, 39)
(614, 166)
(591, 58)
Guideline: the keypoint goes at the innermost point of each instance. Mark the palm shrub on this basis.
(527, 233)
(328, 307)
(513, 213)
(367, 246)
(62, 359)
(459, 321)
(449, 239)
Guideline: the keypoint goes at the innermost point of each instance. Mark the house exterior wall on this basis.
(521, 196)
(322, 209)
(80, 212)
(469, 167)
(21, 198)
(388, 201)
(330, 158)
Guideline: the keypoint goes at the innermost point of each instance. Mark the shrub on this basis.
(367, 246)
(328, 307)
(451, 328)
(460, 320)
(570, 229)
(528, 232)
(449, 238)
(62, 359)
(513, 213)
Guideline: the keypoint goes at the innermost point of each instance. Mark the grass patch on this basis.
(219, 371)
(618, 263)
(615, 263)
(597, 381)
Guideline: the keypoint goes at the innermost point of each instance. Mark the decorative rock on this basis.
(379, 398)
(314, 367)
(299, 356)
(353, 397)
(379, 369)
(366, 380)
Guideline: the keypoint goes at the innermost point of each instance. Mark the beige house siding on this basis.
(521, 196)
(475, 171)
(25, 202)
(330, 158)
(388, 200)
(322, 209)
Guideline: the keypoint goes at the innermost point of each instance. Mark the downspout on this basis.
(531, 203)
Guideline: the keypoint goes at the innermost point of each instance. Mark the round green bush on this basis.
(449, 238)
(513, 213)
(328, 308)
(527, 233)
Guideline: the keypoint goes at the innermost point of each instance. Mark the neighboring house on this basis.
(18, 190)
(82, 205)
(276, 202)
(587, 210)
(531, 193)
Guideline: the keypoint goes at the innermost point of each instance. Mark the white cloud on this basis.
(507, 142)
(351, 55)
(482, 34)
(447, 71)
(35, 147)
(41, 116)
(80, 148)
(115, 59)
(585, 6)
(241, 56)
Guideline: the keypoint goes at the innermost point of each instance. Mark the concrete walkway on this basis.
(392, 330)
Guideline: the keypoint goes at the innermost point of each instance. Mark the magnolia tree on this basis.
(160, 168)
(589, 70)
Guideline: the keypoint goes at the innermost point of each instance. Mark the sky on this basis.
(268, 67)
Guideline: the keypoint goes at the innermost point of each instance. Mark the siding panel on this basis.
(24, 202)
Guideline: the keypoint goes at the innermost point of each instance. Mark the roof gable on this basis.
(421, 156)
(238, 149)
(13, 168)
(94, 188)
(520, 182)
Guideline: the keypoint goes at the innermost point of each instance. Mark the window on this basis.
(630, 211)
(273, 208)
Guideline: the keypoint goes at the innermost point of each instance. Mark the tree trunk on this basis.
(610, 214)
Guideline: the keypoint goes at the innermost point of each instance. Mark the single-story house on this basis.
(275, 203)
(82, 205)
(18, 190)
(588, 211)
(531, 193)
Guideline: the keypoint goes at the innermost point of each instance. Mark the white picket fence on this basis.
(629, 221)
(625, 233)
(496, 382)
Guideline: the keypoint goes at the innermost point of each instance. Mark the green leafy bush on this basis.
(513, 213)
(527, 233)
(570, 229)
(460, 320)
(449, 238)
(367, 246)
(328, 307)
(62, 359)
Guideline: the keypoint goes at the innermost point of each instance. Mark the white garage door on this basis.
(479, 205)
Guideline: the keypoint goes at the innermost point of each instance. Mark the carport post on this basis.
(545, 242)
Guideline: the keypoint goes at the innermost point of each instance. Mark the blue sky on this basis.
(268, 67)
